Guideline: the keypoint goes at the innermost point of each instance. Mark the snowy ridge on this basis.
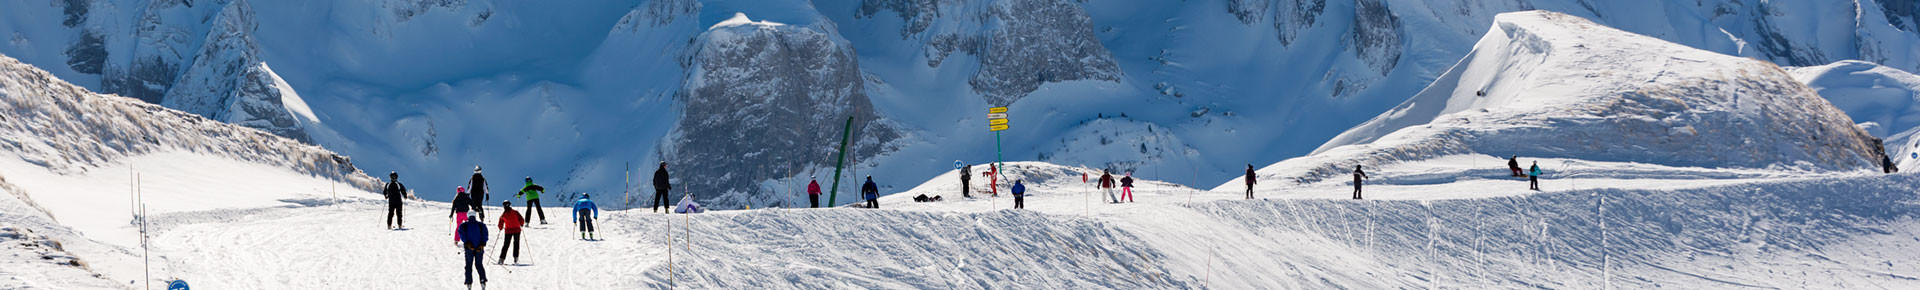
(1886, 102)
(69, 130)
(1546, 84)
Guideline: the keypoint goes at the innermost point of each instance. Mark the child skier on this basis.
(1126, 187)
(462, 204)
(584, 212)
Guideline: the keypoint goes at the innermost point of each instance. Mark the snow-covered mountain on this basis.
(573, 93)
(1551, 85)
(1885, 101)
(68, 169)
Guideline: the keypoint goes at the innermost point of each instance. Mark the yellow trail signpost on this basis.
(996, 122)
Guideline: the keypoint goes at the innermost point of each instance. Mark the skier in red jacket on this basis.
(813, 191)
(510, 223)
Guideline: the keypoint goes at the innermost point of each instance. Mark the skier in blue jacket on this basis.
(1533, 176)
(473, 234)
(872, 192)
(584, 212)
(1019, 194)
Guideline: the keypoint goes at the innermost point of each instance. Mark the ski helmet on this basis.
(529, 179)
(460, 189)
(583, 195)
(473, 215)
(476, 168)
(393, 174)
(506, 203)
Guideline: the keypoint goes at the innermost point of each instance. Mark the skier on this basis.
(1887, 166)
(478, 185)
(474, 235)
(584, 212)
(1250, 181)
(510, 223)
(532, 193)
(813, 191)
(872, 192)
(966, 180)
(1513, 164)
(1019, 195)
(1533, 179)
(993, 179)
(660, 188)
(1126, 187)
(394, 192)
(1106, 183)
(462, 204)
(1357, 176)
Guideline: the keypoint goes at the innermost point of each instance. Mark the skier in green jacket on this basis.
(532, 193)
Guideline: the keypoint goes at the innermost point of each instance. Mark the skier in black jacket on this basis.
(1886, 164)
(1357, 176)
(660, 188)
(462, 205)
(966, 181)
(395, 192)
(1250, 181)
(477, 188)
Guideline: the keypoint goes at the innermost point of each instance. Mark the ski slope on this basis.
(1759, 229)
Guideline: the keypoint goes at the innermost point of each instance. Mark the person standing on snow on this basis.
(1886, 164)
(966, 180)
(462, 204)
(473, 235)
(1019, 195)
(1106, 183)
(532, 193)
(872, 192)
(510, 223)
(660, 188)
(1126, 187)
(584, 212)
(1513, 164)
(395, 192)
(1357, 176)
(1250, 181)
(813, 191)
(478, 185)
(1533, 178)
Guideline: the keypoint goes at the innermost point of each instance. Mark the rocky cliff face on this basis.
(227, 81)
(1020, 44)
(762, 93)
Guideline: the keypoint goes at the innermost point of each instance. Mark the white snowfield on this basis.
(229, 219)
(1546, 84)
(1758, 229)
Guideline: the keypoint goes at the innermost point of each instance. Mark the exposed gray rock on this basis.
(767, 94)
(1021, 44)
(1376, 35)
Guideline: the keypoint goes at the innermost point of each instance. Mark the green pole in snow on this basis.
(840, 159)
